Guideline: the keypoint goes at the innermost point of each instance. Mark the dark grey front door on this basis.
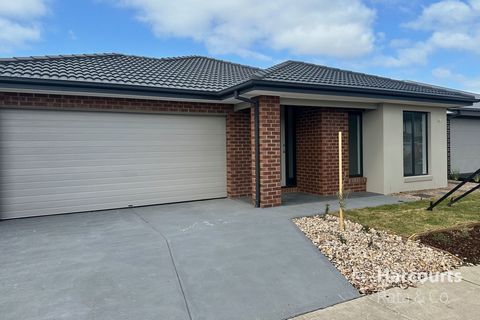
(288, 141)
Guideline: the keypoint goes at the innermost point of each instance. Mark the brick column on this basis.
(270, 188)
(239, 169)
(317, 151)
(331, 122)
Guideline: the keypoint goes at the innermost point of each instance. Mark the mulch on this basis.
(463, 242)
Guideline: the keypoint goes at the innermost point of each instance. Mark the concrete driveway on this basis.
(217, 259)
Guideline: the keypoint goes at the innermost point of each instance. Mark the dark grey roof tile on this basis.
(192, 72)
(312, 74)
(199, 73)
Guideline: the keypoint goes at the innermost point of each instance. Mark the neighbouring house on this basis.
(464, 139)
(92, 132)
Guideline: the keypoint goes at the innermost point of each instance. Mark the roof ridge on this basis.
(262, 73)
(194, 56)
(59, 56)
(65, 56)
(224, 61)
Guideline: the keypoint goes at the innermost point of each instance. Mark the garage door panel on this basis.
(102, 118)
(135, 199)
(81, 206)
(184, 141)
(158, 175)
(128, 186)
(73, 180)
(126, 170)
(122, 164)
(109, 135)
(102, 126)
(108, 156)
(120, 190)
(100, 150)
(58, 161)
(32, 209)
(464, 144)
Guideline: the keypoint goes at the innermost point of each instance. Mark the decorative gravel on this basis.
(374, 260)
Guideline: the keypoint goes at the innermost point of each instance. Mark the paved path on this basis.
(218, 259)
(430, 301)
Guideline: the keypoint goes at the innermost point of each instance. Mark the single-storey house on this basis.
(463, 127)
(101, 131)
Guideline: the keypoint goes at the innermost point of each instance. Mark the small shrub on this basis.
(327, 208)
(465, 233)
(455, 174)
(342, 239)
(440, 237)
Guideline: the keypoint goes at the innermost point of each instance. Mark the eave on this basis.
(10, 84)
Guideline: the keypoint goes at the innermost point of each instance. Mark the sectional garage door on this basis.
(64, 161)
(464, 144)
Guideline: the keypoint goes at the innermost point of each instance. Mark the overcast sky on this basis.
(430, 41)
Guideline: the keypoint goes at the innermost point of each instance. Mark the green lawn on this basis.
(408, 218)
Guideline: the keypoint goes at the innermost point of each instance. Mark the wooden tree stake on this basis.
(340, 181)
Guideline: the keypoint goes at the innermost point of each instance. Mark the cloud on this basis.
(451, 25)
(72, 35)
(415, 55)
(459, 80)
(444, 15)
(343, 28)
(19, 22)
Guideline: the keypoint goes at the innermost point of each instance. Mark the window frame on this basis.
(360, 116)
(427, 157)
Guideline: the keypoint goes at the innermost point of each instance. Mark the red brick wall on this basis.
(62, 102)
(270, 189)
(238, 146)
(309, 153)
(239, 164)
(317, 151)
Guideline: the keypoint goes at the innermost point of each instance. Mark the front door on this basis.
(287, 140)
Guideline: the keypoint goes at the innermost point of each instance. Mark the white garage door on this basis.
(465, 144)
(63, 161)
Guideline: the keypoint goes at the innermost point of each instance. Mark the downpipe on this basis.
(254, 103)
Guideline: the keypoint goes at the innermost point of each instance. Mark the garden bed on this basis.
(462, 241)
(374, 260)
(406, 219)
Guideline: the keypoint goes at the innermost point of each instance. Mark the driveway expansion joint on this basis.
(171, 258)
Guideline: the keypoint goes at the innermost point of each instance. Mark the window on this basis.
(415, 139)
(355, 144)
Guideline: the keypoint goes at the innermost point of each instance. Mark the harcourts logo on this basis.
(387, 276)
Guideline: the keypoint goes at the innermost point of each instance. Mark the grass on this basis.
(408, 218)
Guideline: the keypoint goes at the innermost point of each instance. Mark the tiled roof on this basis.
(192, 72)
(203, 74)
(312, 74)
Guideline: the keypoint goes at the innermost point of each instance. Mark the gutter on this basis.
(464, 113)
(239, 89)
(348, 91)
(254, 103)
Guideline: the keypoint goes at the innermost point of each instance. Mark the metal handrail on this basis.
(458, 186)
